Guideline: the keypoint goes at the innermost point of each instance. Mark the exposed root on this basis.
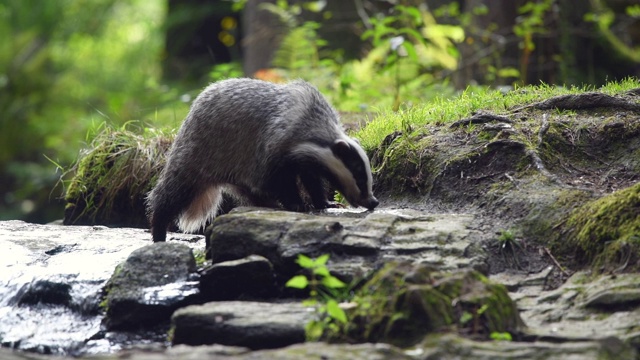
(583, 101)
(543, 129)
(512, 179)
(539, 165)
(634, 92)
(555, 262)
(480, 118)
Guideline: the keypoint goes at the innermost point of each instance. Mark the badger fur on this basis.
(257, 141)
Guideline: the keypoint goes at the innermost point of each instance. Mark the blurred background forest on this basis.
(70, 67)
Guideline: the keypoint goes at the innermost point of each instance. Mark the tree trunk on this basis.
(263, 33)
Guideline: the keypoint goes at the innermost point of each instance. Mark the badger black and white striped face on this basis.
(354, 173)
(349, 169)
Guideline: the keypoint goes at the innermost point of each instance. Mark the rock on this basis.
(515, 281)
(440, 347)
(357, 242)
(245, 233)
(152, 283)
(311, 351)
(586, 308)
(402, 303)
(453, 347)
(45, 292)
(322, 351)
(255, 325)
(248, 278)
(610, 299)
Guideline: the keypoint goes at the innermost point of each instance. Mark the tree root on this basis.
(480, 118)
(590, 100)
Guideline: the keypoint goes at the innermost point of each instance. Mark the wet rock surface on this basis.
(150, 285)
(51, 283)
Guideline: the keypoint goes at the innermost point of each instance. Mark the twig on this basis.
(546, 250)
(481, 118)
(363, 14)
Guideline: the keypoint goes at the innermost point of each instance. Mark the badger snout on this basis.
(370, 203)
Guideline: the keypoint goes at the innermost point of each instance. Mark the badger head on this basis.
(350, 166)
(345, 164)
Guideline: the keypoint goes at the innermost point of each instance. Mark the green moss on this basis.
(171, 333)
(113, 176)
(402, 303)
(104, 303)
(403, 164)
(607, 231)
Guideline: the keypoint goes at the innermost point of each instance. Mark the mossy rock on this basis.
(605, 233)
(402, 303)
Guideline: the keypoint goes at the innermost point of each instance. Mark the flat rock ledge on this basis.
(254, 325)
(357, 242)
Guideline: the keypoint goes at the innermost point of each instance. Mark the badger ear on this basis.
(339, 147)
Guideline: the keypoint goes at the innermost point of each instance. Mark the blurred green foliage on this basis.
(70, 66)
(408, 62)
(65, 66)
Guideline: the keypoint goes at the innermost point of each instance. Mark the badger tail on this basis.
(202, 209)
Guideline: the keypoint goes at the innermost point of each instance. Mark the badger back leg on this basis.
(180, 196)
(164, 206)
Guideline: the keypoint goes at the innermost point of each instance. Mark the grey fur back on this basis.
(236, 127)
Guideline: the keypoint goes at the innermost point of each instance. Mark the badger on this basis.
(262, 142)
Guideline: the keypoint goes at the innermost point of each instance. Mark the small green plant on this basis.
(324, 290)
(339, 198)
(501, 336)
(467, 316)
(200, 256)
(507, 242)
(506, 238)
